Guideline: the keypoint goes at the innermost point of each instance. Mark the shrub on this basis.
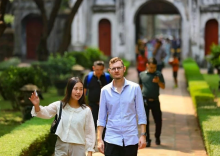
(9, 63)
(61, 65)
(197, 86)
(209, 120)
(46, 74)
(127, 64)
(95, 54)
(189, 60)
(57, 66)
(81, 58)
(30, 139)
(207, 110)
(87, 57)
(192, 70)
(214, 57)
(14, 78)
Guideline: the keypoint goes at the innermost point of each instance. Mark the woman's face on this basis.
(77, 91)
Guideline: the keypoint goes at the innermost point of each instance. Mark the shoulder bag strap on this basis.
(60, 112)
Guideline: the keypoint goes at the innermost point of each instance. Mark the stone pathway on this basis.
(181, 135)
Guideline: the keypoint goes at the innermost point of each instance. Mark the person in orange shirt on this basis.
(175, 64)
(141, 62)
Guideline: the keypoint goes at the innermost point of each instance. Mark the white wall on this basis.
(192, 27)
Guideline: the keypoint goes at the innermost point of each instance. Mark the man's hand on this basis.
(101, 146)
(142, 142)
(156, 79)
(89, 153)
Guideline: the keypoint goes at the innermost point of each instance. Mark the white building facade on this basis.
(111, 25)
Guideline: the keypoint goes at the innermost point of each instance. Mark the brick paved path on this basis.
(181, 135)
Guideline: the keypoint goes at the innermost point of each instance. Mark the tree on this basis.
(42, 50)
(48, 24)
(214, 58)
(3, 4)
(66, 38)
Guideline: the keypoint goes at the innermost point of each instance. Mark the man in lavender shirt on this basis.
(121, 102)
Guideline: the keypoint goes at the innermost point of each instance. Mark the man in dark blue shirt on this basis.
(93, 87)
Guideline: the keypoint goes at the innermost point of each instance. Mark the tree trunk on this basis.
(3, 4)
(67, 29)
(42, 50)
(53, 16)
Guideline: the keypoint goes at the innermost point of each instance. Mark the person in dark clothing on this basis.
(151, 81)
(93, 85)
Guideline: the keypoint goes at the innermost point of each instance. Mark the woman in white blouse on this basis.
(76, 131)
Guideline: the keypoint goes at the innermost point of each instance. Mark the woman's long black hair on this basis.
(71, 83)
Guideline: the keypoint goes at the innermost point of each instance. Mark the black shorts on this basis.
(175, 74)
(115, 150)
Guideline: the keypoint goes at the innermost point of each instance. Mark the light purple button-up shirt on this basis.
(122, 110)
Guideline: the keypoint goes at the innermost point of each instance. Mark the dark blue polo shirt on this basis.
(149, 88)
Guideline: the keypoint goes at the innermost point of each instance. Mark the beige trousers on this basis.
(68, 149)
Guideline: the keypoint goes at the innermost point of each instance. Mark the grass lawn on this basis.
(9, 119)
(213, 80)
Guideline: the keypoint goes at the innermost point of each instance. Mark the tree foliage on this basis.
(3, 4)
(214, 57)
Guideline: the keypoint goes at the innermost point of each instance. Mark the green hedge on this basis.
(56, 66)
(9, 63)
(207, 110)
(87, 57)
(14, 78)
(30, 139)
(192, 70)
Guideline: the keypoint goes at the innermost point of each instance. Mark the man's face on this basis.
(157, 45)
(151, 68)
(98, 70)
(117, 70)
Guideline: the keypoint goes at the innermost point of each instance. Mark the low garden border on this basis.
(207, 111)
(32, 138)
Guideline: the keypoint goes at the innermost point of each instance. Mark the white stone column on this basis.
(194, 28)
(78, 32)
(120, 32)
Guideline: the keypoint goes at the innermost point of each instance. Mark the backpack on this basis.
(107, 77)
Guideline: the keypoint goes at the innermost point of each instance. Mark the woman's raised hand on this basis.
(34, 99)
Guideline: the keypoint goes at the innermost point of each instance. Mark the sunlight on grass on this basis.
(9, 119)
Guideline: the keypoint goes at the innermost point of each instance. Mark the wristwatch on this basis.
(145, 134)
